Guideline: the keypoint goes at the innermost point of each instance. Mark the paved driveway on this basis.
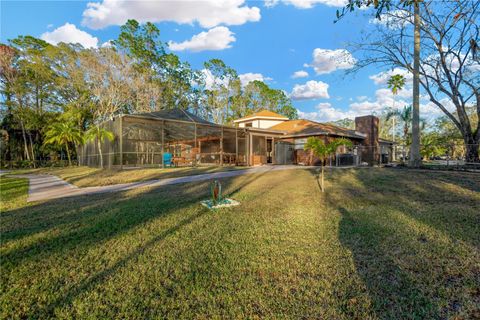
(45, 187)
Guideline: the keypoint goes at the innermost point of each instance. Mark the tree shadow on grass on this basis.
(401, 268)
(95, 280)
(393, 293)
(74, 226)
(80, 222)
(446, 201)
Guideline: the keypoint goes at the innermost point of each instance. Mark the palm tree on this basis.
(62, 134)
(395, 83)
(100, 134)
(323, 150)
(405, 116)
(415, 157)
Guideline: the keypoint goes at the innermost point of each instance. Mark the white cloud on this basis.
(394, 19)
(381, 78)
(307, 4)
(310, 90)
(69, 33)
(324, 112)
(245, 78)
(208, 13)
(211, 80)
(300, 74)
(326, 61)
(107, 44)
(217, 38)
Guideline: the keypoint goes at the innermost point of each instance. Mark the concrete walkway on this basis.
(45, 187)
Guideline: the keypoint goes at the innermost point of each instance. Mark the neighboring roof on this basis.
(173, 114)
(264, 114)
(304, 127)
(385, 141)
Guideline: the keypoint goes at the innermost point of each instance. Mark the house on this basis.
(180, 138)
(290, 136)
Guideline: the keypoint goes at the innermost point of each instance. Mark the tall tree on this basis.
(380, 7)
(395, 83)
(220, 79)
(448, 68)
(169, 79)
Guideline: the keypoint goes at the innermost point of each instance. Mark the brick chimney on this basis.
(368, 125)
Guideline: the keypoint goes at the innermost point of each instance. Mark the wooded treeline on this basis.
(44, 85)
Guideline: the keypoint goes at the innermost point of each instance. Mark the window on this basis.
(248, 125)
(300, 143)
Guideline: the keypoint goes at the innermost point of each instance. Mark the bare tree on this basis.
(108, 76)
(449, 65)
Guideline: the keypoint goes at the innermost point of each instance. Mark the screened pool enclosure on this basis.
(166, 138)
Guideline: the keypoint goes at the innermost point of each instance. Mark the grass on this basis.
(378, 244)
(13, 193)
(89, 177)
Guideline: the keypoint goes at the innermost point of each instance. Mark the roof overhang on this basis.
(323, 133)
(260, 118)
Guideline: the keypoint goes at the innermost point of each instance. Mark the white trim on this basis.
(260, 118)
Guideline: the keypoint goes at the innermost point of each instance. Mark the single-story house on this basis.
(180, 138)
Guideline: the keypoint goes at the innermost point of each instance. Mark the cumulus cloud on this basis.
(69, 33)
(107, 44)
(307, 4)
(208, 13)
(310, 90)
(217, 38)
(394, 19)
(381, 78)
(325, 112)
(245, 78)
(300, 74)
(327, 61)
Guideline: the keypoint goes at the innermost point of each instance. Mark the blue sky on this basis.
(262, 40)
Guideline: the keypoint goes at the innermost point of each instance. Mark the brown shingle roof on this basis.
(263, 113)
(308, 127)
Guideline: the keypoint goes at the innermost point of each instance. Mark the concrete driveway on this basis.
(46, 187)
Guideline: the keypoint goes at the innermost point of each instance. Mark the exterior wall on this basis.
(261, 123)
(369, 125)
(265, 124)
(303, 157)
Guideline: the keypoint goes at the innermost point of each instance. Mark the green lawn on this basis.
(89, 177)
(379, 243)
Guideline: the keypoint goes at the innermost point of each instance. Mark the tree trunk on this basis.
(415, 158)
(472, 147)
(68, 155)
(31, 148)
(322, 180)
(27, 154)
(100, 152)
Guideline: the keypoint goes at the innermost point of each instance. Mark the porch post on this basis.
(236, 146)
(163, 143)
(195, 146)
(273, 150)
(250, 149)
(121, 142)
(221, 149)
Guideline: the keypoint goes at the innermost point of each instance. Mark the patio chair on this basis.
(167, 159)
